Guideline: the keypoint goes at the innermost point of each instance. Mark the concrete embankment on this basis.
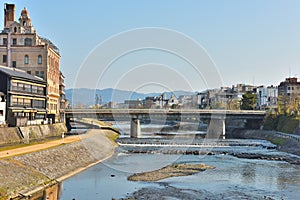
(285, 142)
(27, 176)
(17, 135)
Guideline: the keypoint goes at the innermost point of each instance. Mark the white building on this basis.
(267, 96)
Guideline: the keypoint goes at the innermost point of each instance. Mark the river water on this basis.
(232, 177)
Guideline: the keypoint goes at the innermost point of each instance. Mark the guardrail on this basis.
(165, 111)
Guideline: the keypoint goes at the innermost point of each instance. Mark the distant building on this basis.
(188, 101)
(243, 88)
(267, 97)
(131, 104)
(289, 96)
(172, 102)
(25, 97)
(21, 47)
(290, 87)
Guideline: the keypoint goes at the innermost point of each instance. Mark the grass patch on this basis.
(112, 135)
(3, 194)
(277, 141)
(10, 147)
(286, 124)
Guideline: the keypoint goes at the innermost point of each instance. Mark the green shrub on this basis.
(282, 123)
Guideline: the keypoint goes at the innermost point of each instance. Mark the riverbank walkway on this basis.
(5, 153)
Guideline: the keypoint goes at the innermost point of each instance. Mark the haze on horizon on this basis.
(249, 41)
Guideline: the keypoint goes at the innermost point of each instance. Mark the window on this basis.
(27, 102)
(4, 58)
(39, 59)
(15, 29)
(27, 88)
(1, 112)
(40, 90)
(42, 74)
(14, 101)
(26, 59)
(28, 42)
(14, 86)
(28, 72)
(14, 63)
(4, 41)
(34, 89)
(21, 86)
(38, 103)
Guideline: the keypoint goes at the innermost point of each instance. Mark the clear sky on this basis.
(250, 41)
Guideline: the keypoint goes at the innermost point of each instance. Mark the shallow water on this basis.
(248, 177)
(253, 177)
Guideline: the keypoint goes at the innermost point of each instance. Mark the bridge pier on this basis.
(135, 128)
(216, 128)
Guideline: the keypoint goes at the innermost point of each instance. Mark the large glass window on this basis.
(27, 102)
(38, 103)
(21, 86)
(27, 88)
(26, 59)
(14, 86)
(34, 89)
(14, 101)
(40, 90)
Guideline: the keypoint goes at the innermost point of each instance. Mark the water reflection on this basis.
(254, 177)
(249, 173)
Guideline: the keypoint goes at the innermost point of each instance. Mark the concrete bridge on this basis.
(217, 118)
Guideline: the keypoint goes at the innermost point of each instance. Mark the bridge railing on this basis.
(183, 111)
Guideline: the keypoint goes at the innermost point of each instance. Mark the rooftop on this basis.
(17, 73)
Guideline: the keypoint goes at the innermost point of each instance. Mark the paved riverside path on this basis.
(38, 147)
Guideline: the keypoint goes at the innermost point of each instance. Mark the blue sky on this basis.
(255, 41)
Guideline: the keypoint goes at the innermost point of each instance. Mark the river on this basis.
(232, 177)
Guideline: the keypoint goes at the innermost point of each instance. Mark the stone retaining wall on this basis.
(17, 135)
(22, 177)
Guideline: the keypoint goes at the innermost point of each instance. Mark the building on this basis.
(25, 97)
(290, 87)
(2, 109)
(131, 104)
(21, 47)
(62, 97)
(267, 97)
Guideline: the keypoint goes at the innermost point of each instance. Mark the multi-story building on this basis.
(289, 96)
(290, 87)
(267, 97)
(62, 97)
(133, 103)
(21, 47)
(25, 97)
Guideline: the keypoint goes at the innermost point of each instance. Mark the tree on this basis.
(248, 101)
(233, 104)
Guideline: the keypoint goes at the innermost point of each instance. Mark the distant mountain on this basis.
(87, 97)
